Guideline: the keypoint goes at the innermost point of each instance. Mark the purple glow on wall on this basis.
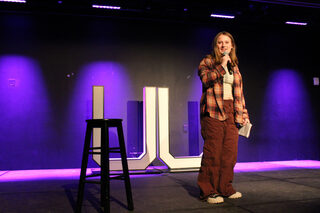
(20, 83)
(25, 111)
(117, 92)
(287, 119)
(287, 96)
(195, 93)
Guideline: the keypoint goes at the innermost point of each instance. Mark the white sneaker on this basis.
(215, 198)
(235, 195)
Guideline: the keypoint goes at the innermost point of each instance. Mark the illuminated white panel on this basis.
(149, 133)
(163, 132)
(97, 113)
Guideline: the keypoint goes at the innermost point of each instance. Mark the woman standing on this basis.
(223, 110)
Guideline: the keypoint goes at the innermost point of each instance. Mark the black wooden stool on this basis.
(104, 151)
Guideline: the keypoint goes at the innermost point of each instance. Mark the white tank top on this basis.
(227, 85)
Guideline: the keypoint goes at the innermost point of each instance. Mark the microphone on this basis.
(228, 64)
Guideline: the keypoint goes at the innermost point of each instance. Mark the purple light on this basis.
(285, 90)
(14, 1)
(21, 84)
(296, 23)
(276, 165)
(117, 91)
(291, 3)
(281, 124)
(221, 16)
(116, 84)
(74, 174)
(43, 174)
(106, 7)
(185, 9)
(136, 173)
(24, 98)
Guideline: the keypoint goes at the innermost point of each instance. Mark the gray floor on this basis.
(274, 191)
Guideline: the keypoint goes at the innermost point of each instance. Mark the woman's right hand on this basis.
(225, 59)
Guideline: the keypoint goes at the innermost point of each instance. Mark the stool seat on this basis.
(104, 150)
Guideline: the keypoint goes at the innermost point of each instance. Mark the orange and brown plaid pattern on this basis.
(211, 102)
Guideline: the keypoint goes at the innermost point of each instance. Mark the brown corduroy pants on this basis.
(219, 154)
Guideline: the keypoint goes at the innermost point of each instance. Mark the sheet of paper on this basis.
(245, 130)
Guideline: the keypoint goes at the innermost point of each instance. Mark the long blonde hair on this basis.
(216, 53)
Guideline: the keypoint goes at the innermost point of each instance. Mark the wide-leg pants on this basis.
(219, 154)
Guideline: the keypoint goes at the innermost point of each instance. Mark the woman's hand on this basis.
(225, 59)
(245, 121)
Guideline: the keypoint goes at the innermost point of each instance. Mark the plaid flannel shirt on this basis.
(211, 102)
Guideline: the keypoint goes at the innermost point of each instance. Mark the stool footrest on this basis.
(92, 181)
(92, 148)
(93, 175)
(118, 177)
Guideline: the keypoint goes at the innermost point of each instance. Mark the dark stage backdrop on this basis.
(48, 64)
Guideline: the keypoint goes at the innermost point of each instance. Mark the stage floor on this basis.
(292, 187)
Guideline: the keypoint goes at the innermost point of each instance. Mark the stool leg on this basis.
(105, 176)
(125, 166)
(84, 164)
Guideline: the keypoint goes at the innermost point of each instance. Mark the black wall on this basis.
(155, 53)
